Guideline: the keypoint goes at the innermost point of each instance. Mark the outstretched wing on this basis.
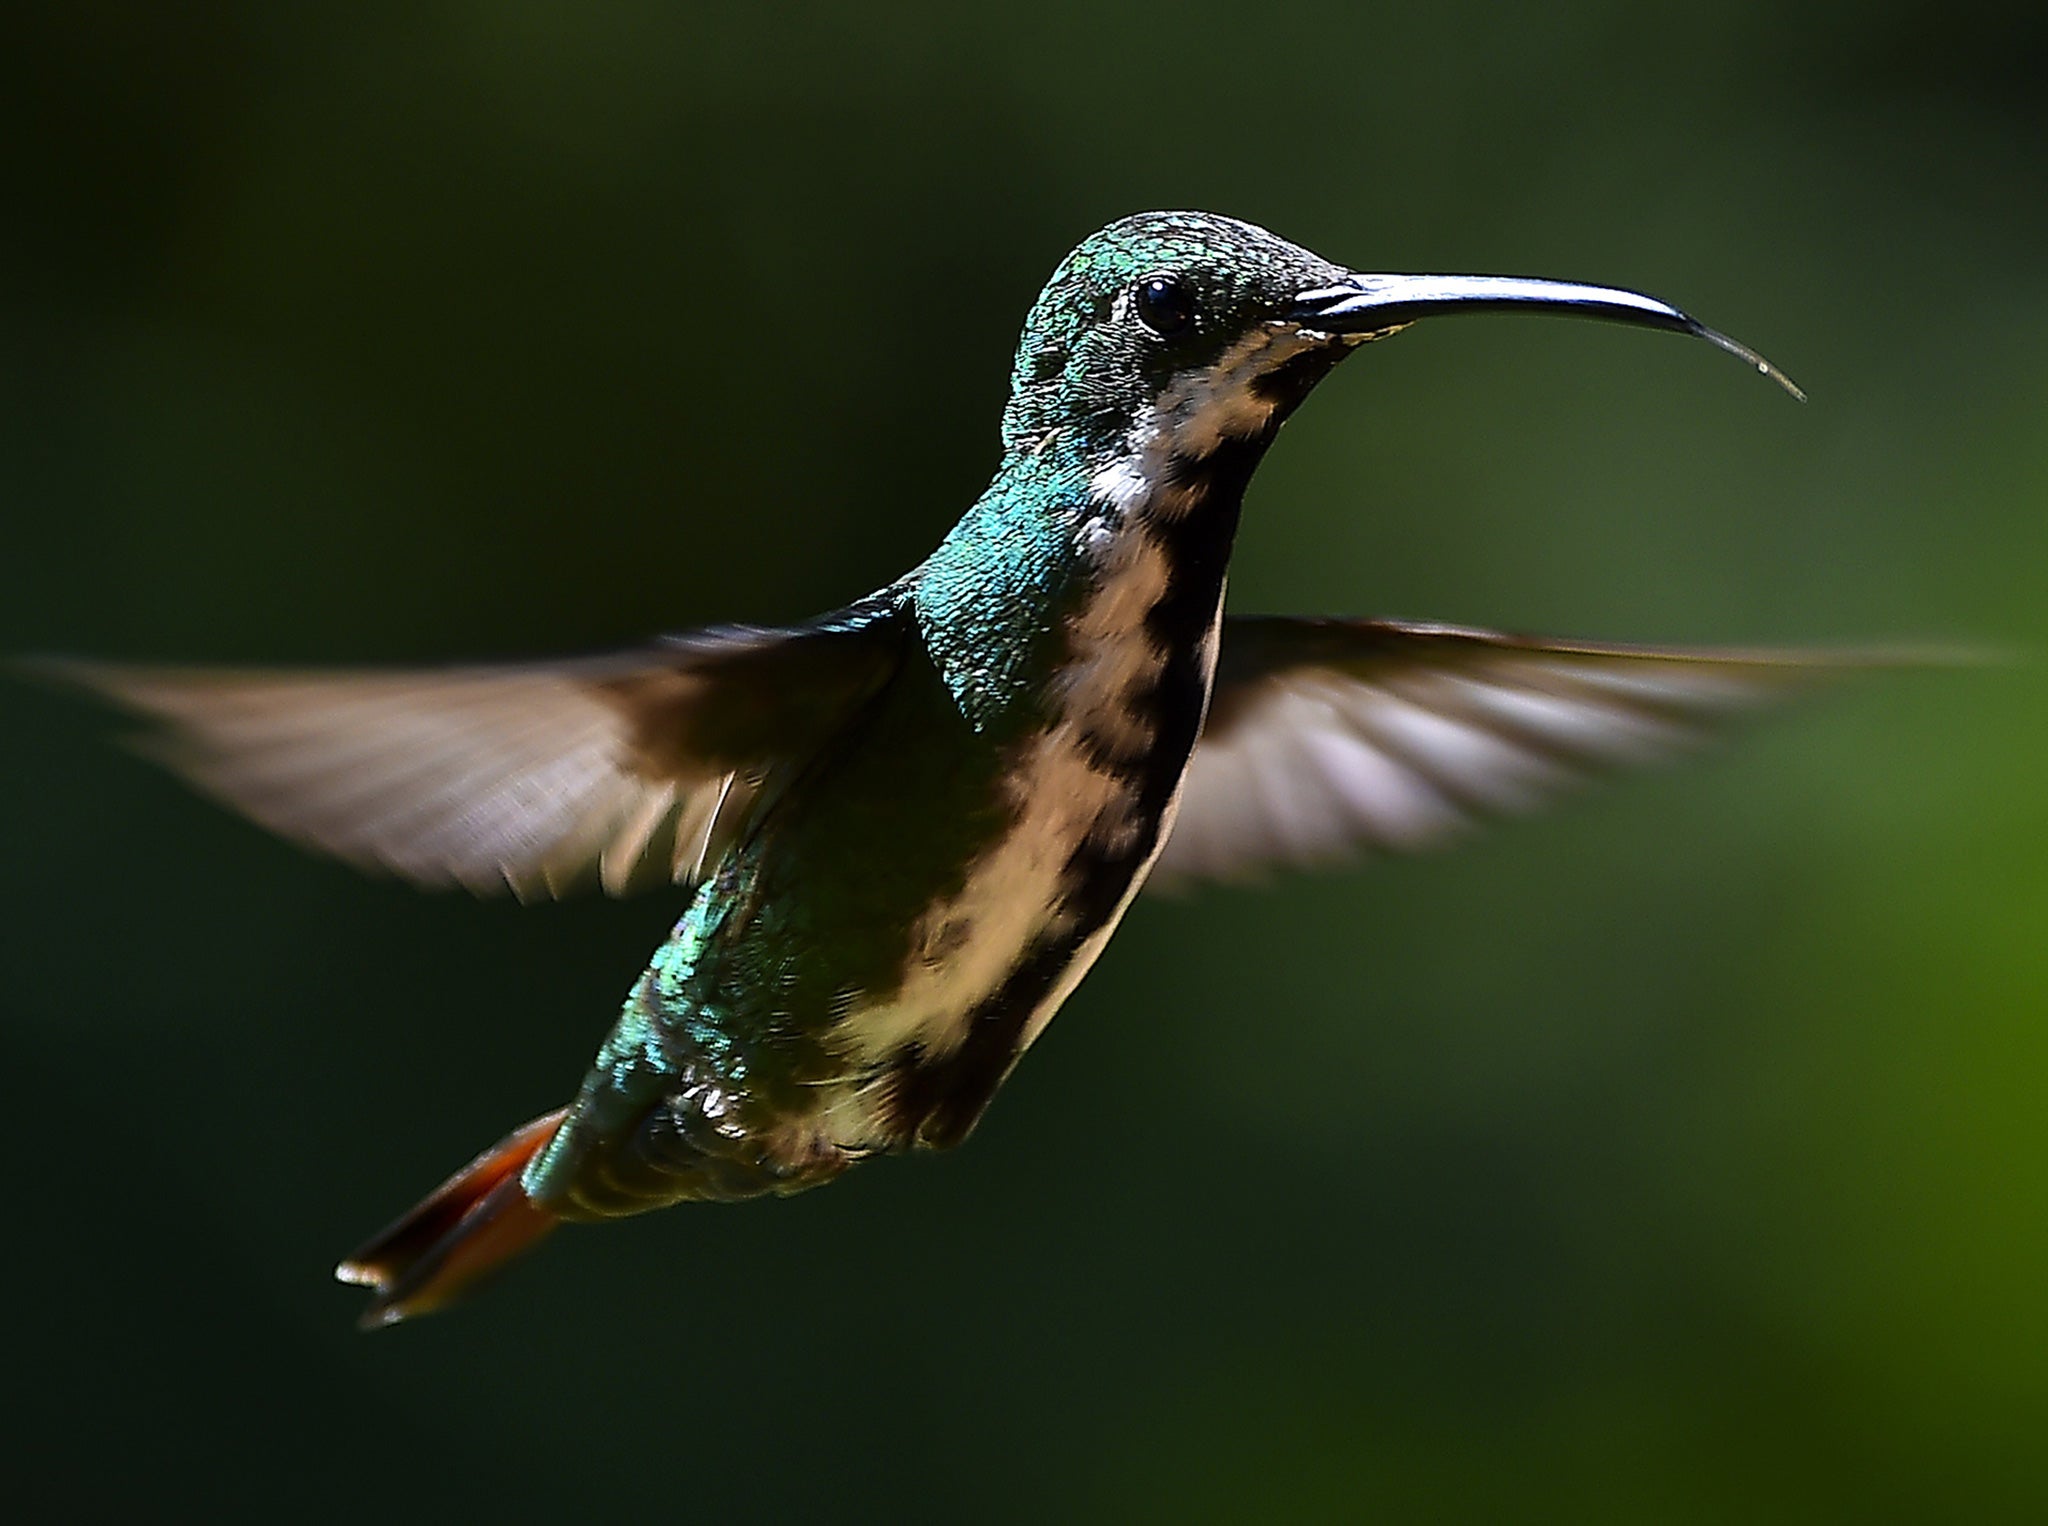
(629, 771)
(1331, 738)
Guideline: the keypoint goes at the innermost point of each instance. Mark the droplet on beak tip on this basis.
(1736, 347)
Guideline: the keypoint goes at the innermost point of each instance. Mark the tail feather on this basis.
(465, 1229)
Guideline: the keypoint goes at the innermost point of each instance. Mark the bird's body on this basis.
(861, 973)
(911, 826)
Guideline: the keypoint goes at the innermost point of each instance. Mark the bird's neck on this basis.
(1089, 541)
(1070, 554)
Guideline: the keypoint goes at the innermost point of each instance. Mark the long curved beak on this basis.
(1370, 304)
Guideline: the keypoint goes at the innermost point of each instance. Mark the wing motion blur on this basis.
(1329, 739)
(626, 771)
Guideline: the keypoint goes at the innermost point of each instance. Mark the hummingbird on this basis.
(906, 829)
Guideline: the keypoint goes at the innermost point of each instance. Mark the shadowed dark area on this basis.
(1675, 1156)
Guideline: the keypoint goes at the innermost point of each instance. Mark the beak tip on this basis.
(1741, 351)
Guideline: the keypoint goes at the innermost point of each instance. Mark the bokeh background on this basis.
(1679, 1156)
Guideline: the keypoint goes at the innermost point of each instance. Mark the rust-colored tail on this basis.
(470, 1225)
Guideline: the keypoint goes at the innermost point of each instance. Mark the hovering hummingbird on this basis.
(908, 827)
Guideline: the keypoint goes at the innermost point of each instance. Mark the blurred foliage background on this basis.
(1676, 1157)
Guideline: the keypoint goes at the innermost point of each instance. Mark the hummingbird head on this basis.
(1170, 337)
(1165, 321)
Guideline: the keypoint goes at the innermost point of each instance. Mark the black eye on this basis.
(1164, 305)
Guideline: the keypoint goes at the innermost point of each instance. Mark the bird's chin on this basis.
(1332, 339)
(1352, 341)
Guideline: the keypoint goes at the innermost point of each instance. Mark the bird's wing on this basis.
(1327, 739)
(626, 771)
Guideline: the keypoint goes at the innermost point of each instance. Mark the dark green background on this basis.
(1676, 1157)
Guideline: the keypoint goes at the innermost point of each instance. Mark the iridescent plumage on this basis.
(908, 828)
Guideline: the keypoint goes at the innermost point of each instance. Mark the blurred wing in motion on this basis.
(628, 771)
(1328, 739)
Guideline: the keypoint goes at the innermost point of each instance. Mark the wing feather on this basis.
(625, 771)
(1328, 739)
